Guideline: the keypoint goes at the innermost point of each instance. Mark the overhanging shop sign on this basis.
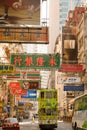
(30, 94)
(71, 68)
(69, 45)
(74, 88)
(26, 84)
(38, 61)
(23, 74)
(16, 88)
(69, 80)
(38, 35)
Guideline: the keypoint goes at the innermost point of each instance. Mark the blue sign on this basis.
(30, 94)
(74, 88)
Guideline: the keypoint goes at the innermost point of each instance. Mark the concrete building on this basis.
(82, 48)
(62, 97)
(64, 7)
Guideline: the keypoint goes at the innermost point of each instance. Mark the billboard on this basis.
(20, 12)
(24, 34)
(71, 68)
(69, 45)
(36, 61)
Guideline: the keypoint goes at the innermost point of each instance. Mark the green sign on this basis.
(36, 61)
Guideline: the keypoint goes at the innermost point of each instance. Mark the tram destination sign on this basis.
(36, 61)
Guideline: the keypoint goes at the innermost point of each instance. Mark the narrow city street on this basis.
(43, 64)
(34, 125)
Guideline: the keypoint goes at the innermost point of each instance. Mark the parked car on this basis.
(10, 124)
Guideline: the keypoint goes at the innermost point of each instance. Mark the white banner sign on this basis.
(65, 79)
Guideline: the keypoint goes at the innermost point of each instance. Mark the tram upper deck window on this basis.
(55, 95)
(48, 111)
(42, 94)
(49, 95)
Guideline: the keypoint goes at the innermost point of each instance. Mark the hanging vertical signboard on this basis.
(69, 45)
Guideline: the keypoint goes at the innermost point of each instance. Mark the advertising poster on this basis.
(26, 84)
(74, 88)
(68, 80)
(30, 94)
(20, 12)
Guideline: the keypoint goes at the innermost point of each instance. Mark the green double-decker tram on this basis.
(48, 108)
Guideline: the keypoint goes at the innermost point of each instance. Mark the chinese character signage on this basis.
(70, 94)
(6, 69)
(38, 61)
(71, 68)
(24, 34)
(20, 12)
